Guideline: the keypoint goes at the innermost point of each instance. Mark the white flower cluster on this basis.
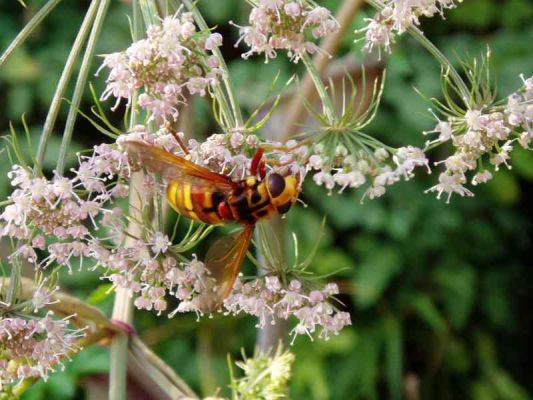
(396, 17)
(483, 133)
(172, 58)
(62, 208)
(150, 269)
(342, 169)
(289, 25)
(33, 348)
(267, 299)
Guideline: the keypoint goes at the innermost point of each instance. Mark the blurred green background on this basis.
(441, 294)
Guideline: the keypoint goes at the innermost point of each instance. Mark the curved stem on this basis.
(28, 29)
(80, 85)
(229, 94)
(435, 52)
(269, 337)
(295, 108)
(123, 307)
(327, 105)
(443, 61)
(55, 105)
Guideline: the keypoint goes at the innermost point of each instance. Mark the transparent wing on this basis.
(174, 168)
(224, 259)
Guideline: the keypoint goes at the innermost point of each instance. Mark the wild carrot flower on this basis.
(291, 25)
(62, 209)
(171, 63)
(267, 299)
(481, 135)
(396, 16)
(33, 348)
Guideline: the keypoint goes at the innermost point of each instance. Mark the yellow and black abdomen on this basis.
(250, 201)
(195, 202)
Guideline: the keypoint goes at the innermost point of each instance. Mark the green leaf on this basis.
(458, 287)
(373, 275)
(100, 293)
(522, 161)
(92, 360)
(424, 307)
(62, 386)
(330, 260)
(504, 187)
(474, 13)
(393, 357)
(21, 67)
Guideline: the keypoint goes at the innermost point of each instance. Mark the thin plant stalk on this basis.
(229, 92)
(28, 29)
(123, 307)
(80, 84)
(327, 105)
(295, 108)
(55, 105)
(435, 52)
(269, 337)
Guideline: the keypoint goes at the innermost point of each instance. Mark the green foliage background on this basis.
(440, 293)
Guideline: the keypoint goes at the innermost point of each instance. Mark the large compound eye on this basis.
(276, 185)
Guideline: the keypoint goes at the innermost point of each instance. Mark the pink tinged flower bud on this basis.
(213, 41)
(213, 62)
(272, 283)
(187, 30)
(315, 296)
(144, 100)
(295, 285)
(160, 305)
(292, 9)
(143, 303)
(481, 177)
(38, 242)
(331, 289)
(317, 15)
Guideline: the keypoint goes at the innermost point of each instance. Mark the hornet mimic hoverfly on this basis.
(203, 195)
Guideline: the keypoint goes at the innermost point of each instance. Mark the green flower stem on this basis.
(229, 95)
(80, 84)
(270, 336)
(327, 105)
(14, 281)
(435, 52)
(443, 61)
(55, 105)
(122, 311)
(28, 29)
(123, 307)
(295, 108)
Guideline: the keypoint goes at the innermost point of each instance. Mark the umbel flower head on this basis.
(267, 299)
(35, 347)
(396, 16)
(266, 376)
(344, 156)
(172, 62)
(481, 131)
(291, 25)
(61, 211)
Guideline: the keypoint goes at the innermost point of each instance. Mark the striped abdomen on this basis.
(250, 201)
(195, 202)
